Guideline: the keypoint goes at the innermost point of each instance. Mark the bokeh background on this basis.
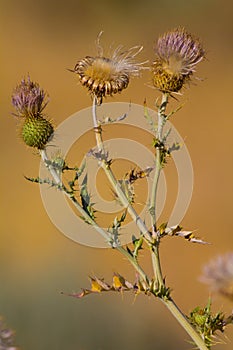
(44, 38)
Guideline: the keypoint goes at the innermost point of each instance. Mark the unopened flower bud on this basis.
(36, 132)
(29, 101)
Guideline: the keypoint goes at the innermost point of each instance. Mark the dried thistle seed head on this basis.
(36, 132)
(105, 76)
(218, 274)
(29, 99)
(177, 54)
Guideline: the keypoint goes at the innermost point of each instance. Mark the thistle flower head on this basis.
(218, 274)
(29, 99)
(104, 76)
(177, 54)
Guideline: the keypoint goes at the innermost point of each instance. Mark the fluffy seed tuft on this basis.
(104, 76)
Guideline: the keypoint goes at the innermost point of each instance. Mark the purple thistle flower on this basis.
(29, 99)
(218, 274)
(177, 54)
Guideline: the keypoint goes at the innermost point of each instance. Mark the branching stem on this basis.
(152, 241)
(113, 181)
(106, 235)
(183, 321)
(57, 179)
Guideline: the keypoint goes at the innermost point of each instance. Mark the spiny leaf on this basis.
(118, 281)
(134, 174)
(116, 225)
(119, 284)
(176, 230)
(128, 180)
(128, 190)
(189, 236)
(137, 246)
(78, 172)
(174, 147)
(109, 120)
(57, 164)
(149, 119)
(174, 111)
(86, 199)
(44, 181)
(98, 285)
(99, 155)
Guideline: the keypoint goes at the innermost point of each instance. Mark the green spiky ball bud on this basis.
(36, 132)
(200, 319)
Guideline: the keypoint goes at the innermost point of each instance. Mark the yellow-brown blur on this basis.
(44, 39)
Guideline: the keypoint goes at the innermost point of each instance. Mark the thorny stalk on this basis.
(153, 201)
(154, 245)
(115, 184)
(106, 235)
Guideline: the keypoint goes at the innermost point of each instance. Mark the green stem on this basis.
(169, 303)
(156, 264)
(153, 201)
(57, 179)
(104, 234)
(158, 165)
(182, 319)
(113, 181)
(135, 264)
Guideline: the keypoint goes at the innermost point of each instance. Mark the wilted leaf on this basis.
(177, 231)
(98, 285)
(119, 284)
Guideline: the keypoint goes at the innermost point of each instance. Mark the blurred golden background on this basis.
(44, 38)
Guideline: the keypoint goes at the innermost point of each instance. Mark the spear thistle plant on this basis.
(176, 56)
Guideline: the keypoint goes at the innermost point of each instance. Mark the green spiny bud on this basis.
(200, 319)
(36, 131)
